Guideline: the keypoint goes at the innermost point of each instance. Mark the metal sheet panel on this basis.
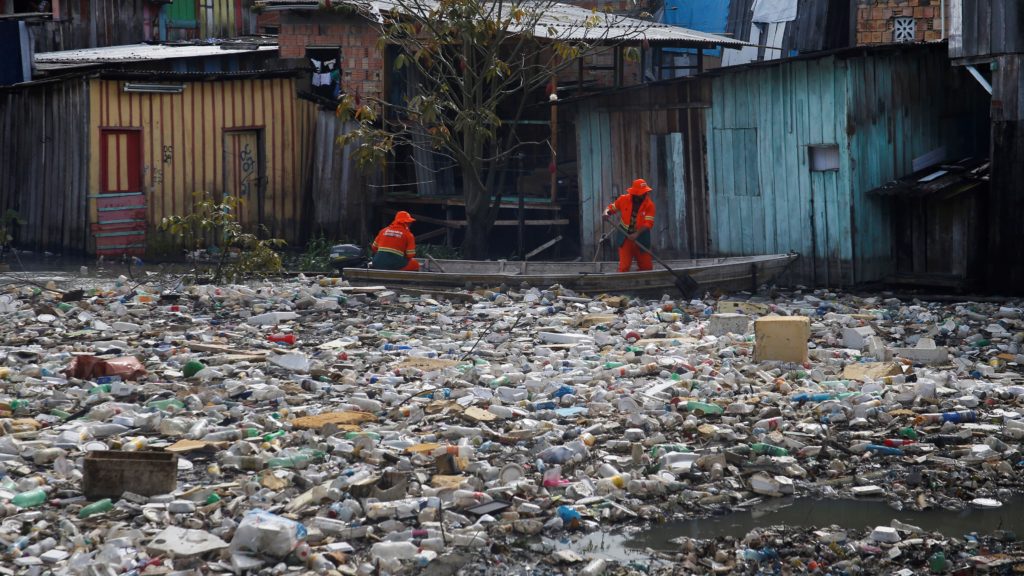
(341, 193)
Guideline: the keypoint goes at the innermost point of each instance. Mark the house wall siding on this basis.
(882, 109)
(43, 131)
(637, 134)
(1006, 234)
(183, 149)
(91, 24)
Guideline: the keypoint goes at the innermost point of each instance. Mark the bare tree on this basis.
(477, 65)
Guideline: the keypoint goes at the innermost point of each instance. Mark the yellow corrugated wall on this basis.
(183, 142)
(218, 18)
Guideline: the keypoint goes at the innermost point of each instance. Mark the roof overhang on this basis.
(561, 21)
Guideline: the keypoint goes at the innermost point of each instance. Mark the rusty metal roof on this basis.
(559, 22)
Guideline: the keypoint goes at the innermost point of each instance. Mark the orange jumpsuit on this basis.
(630, 221)
(395, 249)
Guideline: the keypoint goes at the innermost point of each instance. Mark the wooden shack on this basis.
(780, 156)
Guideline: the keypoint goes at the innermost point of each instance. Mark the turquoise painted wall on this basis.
(880, 108)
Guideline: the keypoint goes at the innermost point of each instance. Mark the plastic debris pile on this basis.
(308, 425)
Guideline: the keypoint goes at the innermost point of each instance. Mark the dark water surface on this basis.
(801, 513)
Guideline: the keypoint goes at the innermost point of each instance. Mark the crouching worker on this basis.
(395, 246)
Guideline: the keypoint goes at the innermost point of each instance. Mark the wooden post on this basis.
(554, 143)
(579, 74)
(618, 66)
(700, 60)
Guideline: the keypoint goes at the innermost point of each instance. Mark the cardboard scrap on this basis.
(614, 301)
(221, 349)
(318, 421)
(729, 306)
(269, 479)
(479, 414)
(182, 446)
(864, 371)
(443, 481)
(426, 364)
(591, 320)
(426, 448)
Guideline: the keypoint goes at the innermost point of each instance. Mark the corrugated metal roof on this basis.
(562, 22)
(143, 53)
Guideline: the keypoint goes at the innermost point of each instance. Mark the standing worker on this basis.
(636, 218)
(395, 246)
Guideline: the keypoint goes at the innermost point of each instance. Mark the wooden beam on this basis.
(543, 247)
(432, 234)
(462, 223)
(459, 201)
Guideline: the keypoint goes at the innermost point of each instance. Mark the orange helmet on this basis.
(404, 217)
(639, 187)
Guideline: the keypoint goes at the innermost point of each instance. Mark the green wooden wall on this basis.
(881, 108)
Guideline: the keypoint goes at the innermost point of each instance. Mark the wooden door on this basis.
(244, 174)
(120, 226)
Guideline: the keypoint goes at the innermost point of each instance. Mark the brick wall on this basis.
(362, 64)
(876, 19)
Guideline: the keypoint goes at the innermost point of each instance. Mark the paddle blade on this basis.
(687, 285)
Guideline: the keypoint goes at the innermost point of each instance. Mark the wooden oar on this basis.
(687, 285)
(436, 263)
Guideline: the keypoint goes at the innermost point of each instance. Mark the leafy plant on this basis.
(238, 253)
(317, 257)
(8, 221)
(438, 251)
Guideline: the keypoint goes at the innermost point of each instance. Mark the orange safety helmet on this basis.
(639, 187)
(404, 217)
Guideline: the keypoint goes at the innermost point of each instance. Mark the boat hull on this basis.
(726, 274)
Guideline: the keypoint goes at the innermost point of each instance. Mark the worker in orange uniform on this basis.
(636, 218)
(395, 246)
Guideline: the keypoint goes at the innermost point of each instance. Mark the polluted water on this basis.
(303, 425)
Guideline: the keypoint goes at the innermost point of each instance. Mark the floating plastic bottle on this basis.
(98, 507)
(31, 498)
(768, 449)
(288, 339)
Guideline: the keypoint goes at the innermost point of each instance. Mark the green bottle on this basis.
(213, 498)
(769, 449)
(937, 562)
(168, 405)
(299, 460)
(273, 435)
(98, 507)
(909, 433)
(60, 414)
(371, 435)
(101, 389)
(30, 499)
(192, 367)
(704, 407)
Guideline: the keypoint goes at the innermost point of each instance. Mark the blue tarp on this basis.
(700, 15)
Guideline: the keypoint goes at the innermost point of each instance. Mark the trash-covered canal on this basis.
(303, 425)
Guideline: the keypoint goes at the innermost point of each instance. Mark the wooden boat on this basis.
(727, 274)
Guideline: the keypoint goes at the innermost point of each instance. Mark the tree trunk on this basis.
(478, 221)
